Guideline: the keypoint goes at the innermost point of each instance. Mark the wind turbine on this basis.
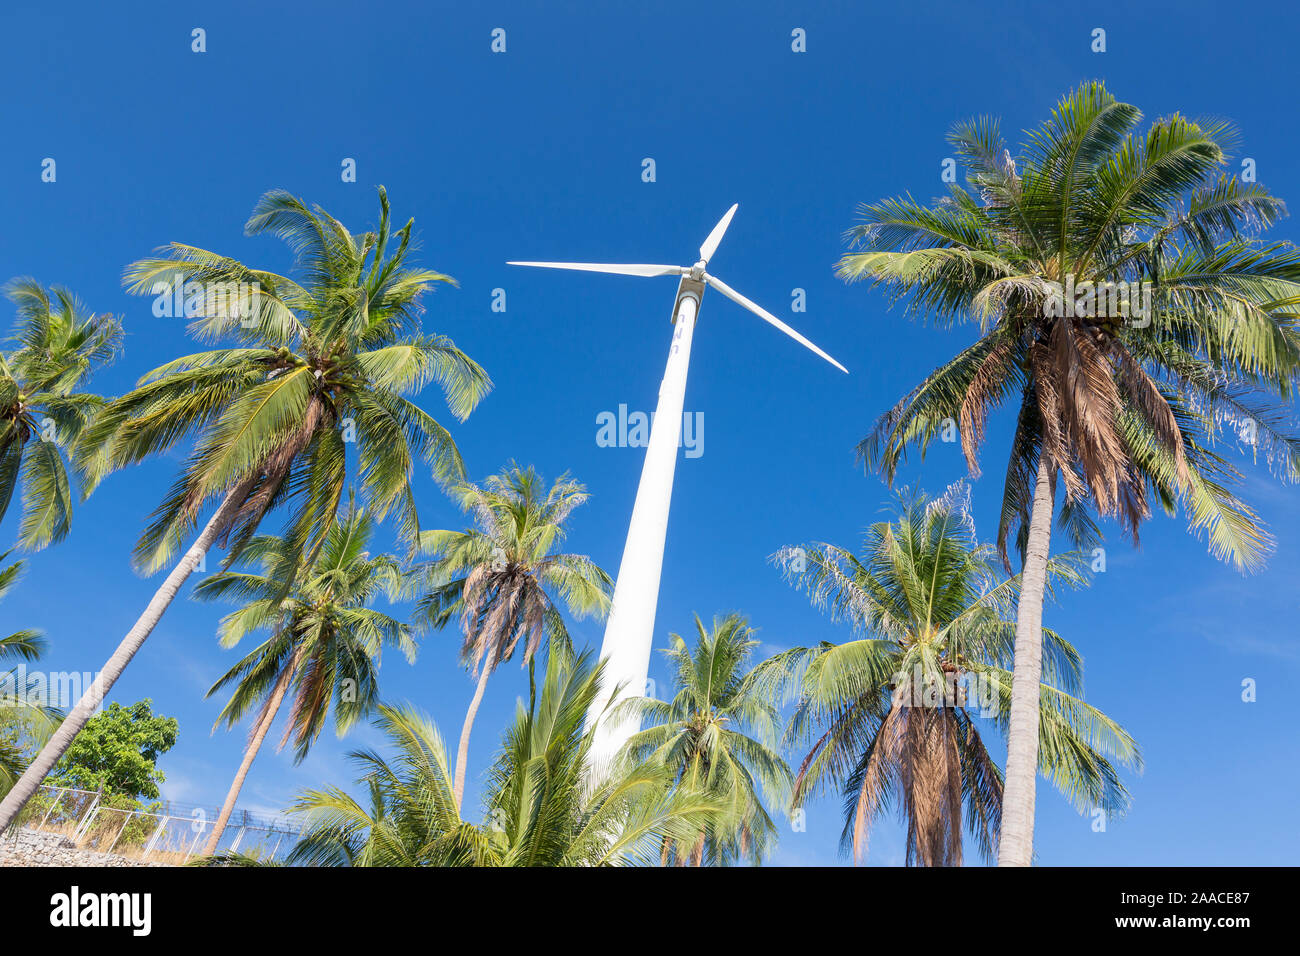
(629, 631)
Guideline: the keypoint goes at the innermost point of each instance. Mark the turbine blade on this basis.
(616, 268)
(768, 317)
(711, 244)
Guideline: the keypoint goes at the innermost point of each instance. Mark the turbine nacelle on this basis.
(691, 276)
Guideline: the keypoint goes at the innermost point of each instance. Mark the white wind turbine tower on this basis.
(629, 632)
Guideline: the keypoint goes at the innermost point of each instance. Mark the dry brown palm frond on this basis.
(1133, 506)
(311, 696)
(534, 618)
(1090, 400)
(927, 775)
(277, 690)
(475, 594)
(263, 482)
(975, 404)
(885, 756)
(953, 789)
(1055, 446)
(503, 619)
(1145, 396)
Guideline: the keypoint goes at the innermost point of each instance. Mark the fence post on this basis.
(193, 843)
(153, 840)
(51, 809)
(84, 825)
(125, 823)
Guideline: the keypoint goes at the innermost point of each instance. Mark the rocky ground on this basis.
(34, 848)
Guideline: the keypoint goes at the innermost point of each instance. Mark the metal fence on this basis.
(165, 832)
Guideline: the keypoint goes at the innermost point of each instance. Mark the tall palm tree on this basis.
(504, 578)
(539, 811)
(1124, 402)
(23, 720)
(718, 735)
(59, 344)
(325, 641)
(315, 367)
(892, 716)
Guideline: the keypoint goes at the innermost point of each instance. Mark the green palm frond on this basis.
(1093, 198)
(306, 366)
(717, 738)
(58, 345)
(504, 577)
(27, 720)
(892, 717)
(325, 640)
(539, 811)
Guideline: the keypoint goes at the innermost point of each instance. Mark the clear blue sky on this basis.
(537, 153)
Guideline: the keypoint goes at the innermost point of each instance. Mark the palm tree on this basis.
(409, 818)
(717, 736)
(892, 715)
(505, 580)
(23, 720)
(1123, 401)
(325, 642)
(316, 367)
(539, 811)
(59, 345)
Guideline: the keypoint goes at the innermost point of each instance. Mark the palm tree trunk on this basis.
(697, 854)
(250, 752)
(1016, 844)
(94, 696)
(462, 752)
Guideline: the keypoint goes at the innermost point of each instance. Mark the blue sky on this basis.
(536, 153)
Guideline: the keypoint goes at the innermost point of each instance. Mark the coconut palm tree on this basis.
(538, 808)
(59, 344)
(1125, 400)
(314, 367)
(893, 717)
(718, 735)
(409, 816)
(504, 578)
(24, 720)
(325, 642)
